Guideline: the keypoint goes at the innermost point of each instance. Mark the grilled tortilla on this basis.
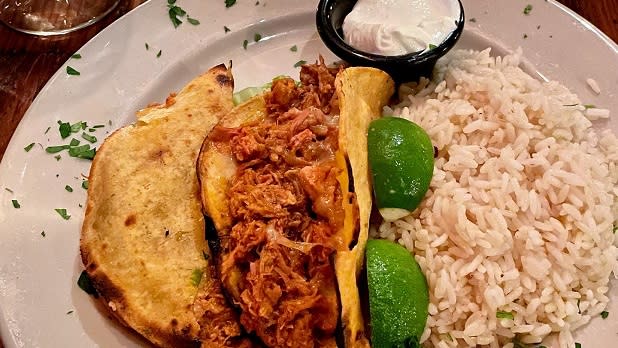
(142, 239)
(271, 198)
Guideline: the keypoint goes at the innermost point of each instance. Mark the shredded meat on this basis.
(317, 89)
(286, 208)
(219, 324)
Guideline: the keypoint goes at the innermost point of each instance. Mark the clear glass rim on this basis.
(63, 31)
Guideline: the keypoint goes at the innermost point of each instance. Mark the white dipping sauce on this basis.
(396, 27)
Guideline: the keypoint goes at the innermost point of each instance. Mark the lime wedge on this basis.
(398, 296)
(401, 161)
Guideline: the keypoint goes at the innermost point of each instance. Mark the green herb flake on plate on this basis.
(72, 71)
(63, 213)
(29, 147)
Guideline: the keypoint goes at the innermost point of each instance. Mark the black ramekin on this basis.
(403, 68)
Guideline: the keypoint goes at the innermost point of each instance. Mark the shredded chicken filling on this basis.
(286, 206)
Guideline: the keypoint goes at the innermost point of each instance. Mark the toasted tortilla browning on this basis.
(142, 238)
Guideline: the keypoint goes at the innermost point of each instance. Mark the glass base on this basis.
(56, 17)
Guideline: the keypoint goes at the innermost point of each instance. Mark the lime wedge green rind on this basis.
(401, 161)
(398, 295)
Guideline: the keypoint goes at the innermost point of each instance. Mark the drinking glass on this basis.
(53, 17)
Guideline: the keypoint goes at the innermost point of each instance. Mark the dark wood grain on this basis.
(27, 62)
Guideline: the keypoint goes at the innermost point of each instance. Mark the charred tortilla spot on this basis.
(159, 155)
(174, 322)
(130, 220)
(186, 330)
(224, 80)
(170, 100)
(92, 267)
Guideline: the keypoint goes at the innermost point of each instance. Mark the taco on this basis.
(284, 179)
(142, 240)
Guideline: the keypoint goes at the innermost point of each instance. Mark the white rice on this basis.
(592, 83)
(521, 207)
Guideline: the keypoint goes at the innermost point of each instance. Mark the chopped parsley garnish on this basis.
(589, 106)
(64, 128)
(300, 63)
(226, 29)
(29, 147)
(541, 347)
(85, 283)
(98, 126)
(54, 149)
(89, 137)
(174, 12)
(257, 37)
(504, 315)
(74, 142)
(615, 229)
(146, 45)
(76, 56)
(69, 312)
(57, 157)
(16, 204)
(8, 190)
(47, 130)
(85, 184)
(432, 46)
(294, 48)
(83, 151)
(192, 21)
(43, 233)
(63, 212)
(604, 314)
(230, 3)
(578, 345)
(527, 9)
(245, 43)
(196, 276)
(159, 54)
(72, 71)
(473, 20)
(68, 188)
(77, 126)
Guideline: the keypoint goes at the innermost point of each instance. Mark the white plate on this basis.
(119, 76)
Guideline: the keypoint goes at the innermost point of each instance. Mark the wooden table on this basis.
(27, 62)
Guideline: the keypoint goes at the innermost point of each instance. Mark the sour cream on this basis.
(396, 27)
